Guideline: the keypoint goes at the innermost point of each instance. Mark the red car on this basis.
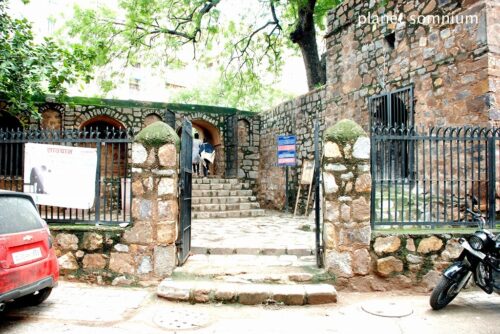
(28, 263)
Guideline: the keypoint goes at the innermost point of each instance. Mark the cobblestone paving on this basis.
(275, 230)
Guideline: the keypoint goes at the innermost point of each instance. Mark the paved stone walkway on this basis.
(88, 309)
(273, 234)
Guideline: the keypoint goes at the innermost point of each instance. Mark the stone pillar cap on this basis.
(157, 134)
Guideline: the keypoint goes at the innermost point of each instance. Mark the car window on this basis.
(18, 214)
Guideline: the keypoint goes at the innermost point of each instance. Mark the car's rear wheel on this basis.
(35, 298)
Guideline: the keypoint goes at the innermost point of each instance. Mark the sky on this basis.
(48, 16)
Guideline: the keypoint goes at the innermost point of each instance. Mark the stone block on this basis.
(414, 259)
(164, 260)
(146, 265)
(430, 244)
(361, 148)
(389, 265)
(225, 293)
(320, 294)
(94, 261)
(167, 186)
(289, 294)
(168, 155)
(121, 248)
(339, 264)
(431, 279)
(122, 281)
(329, 183)
(452, 251)
(253, 294)
(122, 263)
(361, 261)
(137, 188)
(166, 232)
(386, 245)
(331, 211)
(345, 213)
(363, 183)
(176, 291)
(92, 241)
(353, 234)
(360, 210)
(66, 242)
(139, 233)
(139, 153)
(332, 150)
(67, 262)
(410, 245)
(141, 209)
(167, 209)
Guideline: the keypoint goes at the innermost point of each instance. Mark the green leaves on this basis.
(29, 70)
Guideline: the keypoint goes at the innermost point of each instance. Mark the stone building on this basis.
(435, 61)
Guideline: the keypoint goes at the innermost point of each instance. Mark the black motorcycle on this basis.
(480, 258)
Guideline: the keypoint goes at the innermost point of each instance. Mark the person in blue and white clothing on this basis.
(207, 154)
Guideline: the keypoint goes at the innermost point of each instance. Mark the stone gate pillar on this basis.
(347, 186)
(154, 204)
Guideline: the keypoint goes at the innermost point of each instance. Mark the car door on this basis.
(24, 243)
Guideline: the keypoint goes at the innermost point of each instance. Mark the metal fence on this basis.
(113, 173)
(429, 177)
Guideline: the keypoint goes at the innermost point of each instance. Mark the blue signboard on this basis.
(287, 150)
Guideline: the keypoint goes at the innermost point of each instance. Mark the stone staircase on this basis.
(249, 280)
(223, 198)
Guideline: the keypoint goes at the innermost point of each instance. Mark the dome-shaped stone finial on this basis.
(157, 134)
(344, 131)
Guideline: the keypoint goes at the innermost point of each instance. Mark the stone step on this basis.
(221, 186)
(228, 214)
(201, 250)
(210, 180)
(221, 193)
(224, 207)
(223, 200)
(246, 294)
(236, 268)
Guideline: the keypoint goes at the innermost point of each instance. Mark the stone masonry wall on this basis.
(145, 251)
(346, 214)
(293, 117)
(446, 63)
(493, 18)
(248, 145)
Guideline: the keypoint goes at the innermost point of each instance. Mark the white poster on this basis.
(59, 175)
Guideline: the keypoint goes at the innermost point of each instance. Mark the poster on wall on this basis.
(62, 176)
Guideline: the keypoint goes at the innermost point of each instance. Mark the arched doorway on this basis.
(114, 181)
(208, 131)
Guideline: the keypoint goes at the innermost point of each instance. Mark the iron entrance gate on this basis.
(231, 145)
(450, 167)
(185, 186)
(112, 184)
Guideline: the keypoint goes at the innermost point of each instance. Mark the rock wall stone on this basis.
(293, 117)
(146, 250)
(346, 218)
(453, 66)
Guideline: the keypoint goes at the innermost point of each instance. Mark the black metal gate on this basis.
(317, 196)
(185, 187)
(231, 145)
(112, 183)
(452, 166)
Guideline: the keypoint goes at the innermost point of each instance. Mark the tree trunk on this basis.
(305, 36)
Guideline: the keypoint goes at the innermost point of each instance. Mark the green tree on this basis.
(244, 48)
(29, 70)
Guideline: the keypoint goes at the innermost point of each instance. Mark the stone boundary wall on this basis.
(248, 146)
(146, 251)
(294, 117)
(448, 64)
(406, 261)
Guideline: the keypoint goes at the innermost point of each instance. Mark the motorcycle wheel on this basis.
(443, 293)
